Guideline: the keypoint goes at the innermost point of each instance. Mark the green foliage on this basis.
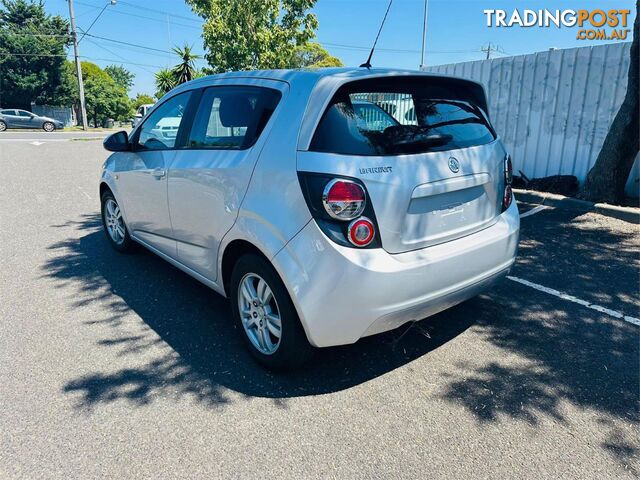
(313, 55)
(254, 34)
(121, 76)
(142, 99)
(66, 93)
(104, 97)
(32, 52)
(186, 70)
(165, 81)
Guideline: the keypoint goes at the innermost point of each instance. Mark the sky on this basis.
(456, 31)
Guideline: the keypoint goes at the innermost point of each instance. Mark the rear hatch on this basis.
(425, 151)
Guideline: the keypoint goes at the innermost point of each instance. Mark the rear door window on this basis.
(232, 118)
(403, 116)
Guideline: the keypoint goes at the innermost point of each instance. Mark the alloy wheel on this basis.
(48, 127)
(259, 313)
(114, 221)
(3, 126)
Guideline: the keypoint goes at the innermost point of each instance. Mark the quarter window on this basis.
(232, 118)
(160, 130)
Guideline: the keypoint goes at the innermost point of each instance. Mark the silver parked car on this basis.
(324, 219)
(15, 118)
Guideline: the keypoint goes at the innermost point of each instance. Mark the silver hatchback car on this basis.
(327, 205)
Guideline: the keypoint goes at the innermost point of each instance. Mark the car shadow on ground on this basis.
(206, 349)
(564, 352)
(552, 352)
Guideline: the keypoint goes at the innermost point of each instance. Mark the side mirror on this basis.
(117, 142)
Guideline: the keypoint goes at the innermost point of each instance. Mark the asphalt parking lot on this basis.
(120, 366)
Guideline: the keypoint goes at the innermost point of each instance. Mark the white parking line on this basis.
(534, 210)
(85, 193)
(35, 141)
(571, 298)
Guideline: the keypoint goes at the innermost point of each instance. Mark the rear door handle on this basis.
(158, 172)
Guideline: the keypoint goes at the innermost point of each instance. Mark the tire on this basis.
(3, 126)
(293, 349)
(113, 224)
(48, 127)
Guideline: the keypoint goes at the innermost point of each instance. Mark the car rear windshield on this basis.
(403, 115)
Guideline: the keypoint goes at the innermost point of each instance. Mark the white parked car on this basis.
(141, 112)
(321, 226)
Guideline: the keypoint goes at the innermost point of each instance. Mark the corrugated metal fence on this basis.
(553, 109)
(64, 114)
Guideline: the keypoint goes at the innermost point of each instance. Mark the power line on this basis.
(22, 34)
(34, 54)
(122, 59)
(391, 50)
(145, 47)
(163, 12)
(80, 56)
(489, 49)
(141, 16)
(112, 2)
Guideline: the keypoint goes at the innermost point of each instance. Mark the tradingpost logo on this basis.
(593, 24)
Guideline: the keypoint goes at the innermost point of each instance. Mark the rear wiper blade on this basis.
(455, 122)
(422, 138)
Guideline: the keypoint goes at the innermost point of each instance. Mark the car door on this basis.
(11, 118)
(142, 175)
(23, 118)
(209, 177)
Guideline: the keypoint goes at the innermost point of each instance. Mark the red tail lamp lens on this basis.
(343, 199)
(508, 197)
(361, 232)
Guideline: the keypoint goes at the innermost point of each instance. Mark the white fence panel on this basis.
(553, 109)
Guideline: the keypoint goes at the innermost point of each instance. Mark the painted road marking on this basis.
(32, 141)
(534, 210)
(37, 144)
(85, 193)
(571, 298)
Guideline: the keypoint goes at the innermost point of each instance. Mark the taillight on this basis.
(361, 232)
(343, 199)
(507, 196)
(342, 209)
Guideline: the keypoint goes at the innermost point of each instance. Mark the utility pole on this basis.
(488, 50)
(424, 33)
(74, 32)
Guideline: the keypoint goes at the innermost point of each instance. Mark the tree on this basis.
(165, 81)
(66, 93)
(254, 34)
(104, 98)
(313, 55)
(120, 75)
(142, 99)
(186, 70)
(32, 52)
(606, 180)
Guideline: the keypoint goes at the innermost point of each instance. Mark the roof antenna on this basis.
(367, 64)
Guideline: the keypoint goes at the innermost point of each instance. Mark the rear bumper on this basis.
(342, 294)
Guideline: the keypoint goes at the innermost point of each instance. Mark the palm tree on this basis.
(186, 70)
(165, 81)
